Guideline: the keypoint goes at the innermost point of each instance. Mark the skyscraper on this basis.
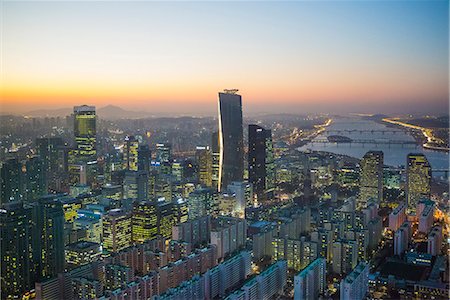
(130, 153)
(215, 148)
(144, 158)
(135, 185)
(202, 202)
(163, 152)
(16, 248)
(418, 179)
(204, 159)
(48, 149)
(261, 172)
(144, 221)
(34, 179)
(231, 160)
(371, 178)
(116, 230)
(85, 133)
(11, 181)
(50, 232)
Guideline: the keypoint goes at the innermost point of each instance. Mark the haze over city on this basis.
(224, 150)
(375, 56)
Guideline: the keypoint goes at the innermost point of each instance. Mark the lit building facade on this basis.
(11, 181)
(85, 131)
(17, 248)
(117, 230)
(81, 253)
(204, 159)
(130, 153)
(144, 221)
(371, 178)
(418, 180)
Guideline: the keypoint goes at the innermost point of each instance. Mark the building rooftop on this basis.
(83, 245)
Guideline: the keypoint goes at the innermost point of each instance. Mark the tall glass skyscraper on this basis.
(260, 160)
(130, 153)
(231, 145)
(85, 133)
(418, 179)
(16, 249)
(371, 178)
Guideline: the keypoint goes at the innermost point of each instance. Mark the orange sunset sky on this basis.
(375, 56)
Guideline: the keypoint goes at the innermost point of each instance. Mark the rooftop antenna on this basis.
(230, 91)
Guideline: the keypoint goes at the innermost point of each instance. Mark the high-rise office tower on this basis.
(204, 159)
(144, 221)
(231, 160)
(116, 230)
(144, 158)
(202, 202)
(85, 133)
(82, 253)
(130, 153)
(261, 169)
(152, 218)
(243, 193)
(50, 231)
(135, 185)
(166, 218)
(11, 181)
(215, 159)
(418, 179)
(163, 152)
(177, 170)
(16, 248)
(48, 149)
(371, 178)
(180, 210)
(34, 179)
(311, 281)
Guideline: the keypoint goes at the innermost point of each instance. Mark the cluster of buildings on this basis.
(130, 221)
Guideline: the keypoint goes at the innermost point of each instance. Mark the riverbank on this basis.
(430, 140)
(395, 154)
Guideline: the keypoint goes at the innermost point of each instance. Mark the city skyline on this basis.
(224, 150)
(173, 57)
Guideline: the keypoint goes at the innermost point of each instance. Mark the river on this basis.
(394, 154)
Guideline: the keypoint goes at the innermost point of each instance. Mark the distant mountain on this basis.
(109, 112)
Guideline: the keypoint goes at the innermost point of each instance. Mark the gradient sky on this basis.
(354, 56)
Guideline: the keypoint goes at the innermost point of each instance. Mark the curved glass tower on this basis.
(231, 145)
